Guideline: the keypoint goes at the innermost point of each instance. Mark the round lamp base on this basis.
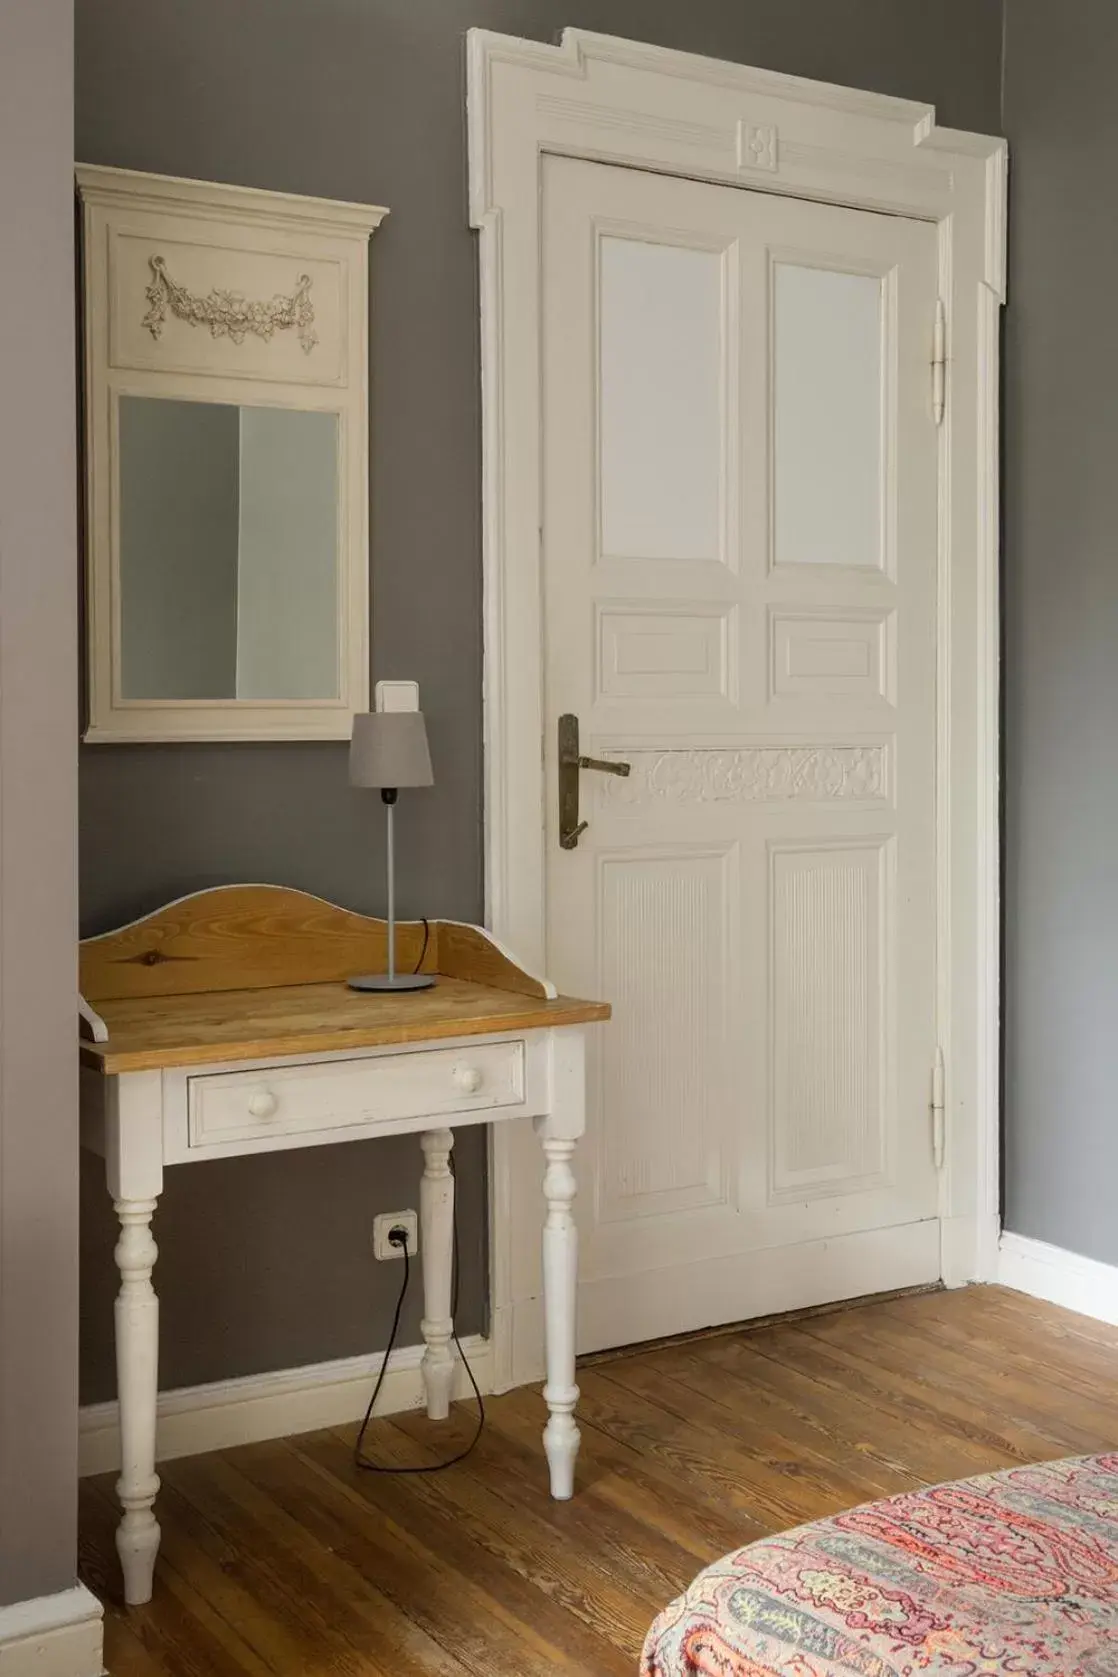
(401, 981)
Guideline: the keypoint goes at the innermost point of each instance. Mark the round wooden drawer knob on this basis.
(468, 1079)
(262, 1104)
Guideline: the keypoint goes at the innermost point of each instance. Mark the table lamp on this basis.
(389, 750)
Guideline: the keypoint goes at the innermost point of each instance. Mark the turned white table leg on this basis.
(137, 1372)
(436, 1238)
(134, 1170)
(560, 1282)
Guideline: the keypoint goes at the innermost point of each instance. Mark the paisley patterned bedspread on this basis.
(1014, 1573)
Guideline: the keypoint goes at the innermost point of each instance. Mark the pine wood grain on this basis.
(257, 971)
(468, 952)
(280, 1559)
(247, 937)
(240, 937)
(208, 1029)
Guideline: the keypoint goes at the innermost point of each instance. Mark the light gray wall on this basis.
(1061, 626)
(38, 805)
(266, 1262)
(178, 548)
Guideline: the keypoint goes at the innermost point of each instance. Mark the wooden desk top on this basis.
(159, 1031)
(253, 972)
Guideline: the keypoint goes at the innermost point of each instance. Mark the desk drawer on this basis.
(335, 1094)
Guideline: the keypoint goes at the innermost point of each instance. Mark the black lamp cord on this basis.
(426, 940)
(359, 1459)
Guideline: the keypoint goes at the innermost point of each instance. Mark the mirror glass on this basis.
(228, 551)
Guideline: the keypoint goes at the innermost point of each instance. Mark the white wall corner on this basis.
(53, 1636)
(1059, 1277)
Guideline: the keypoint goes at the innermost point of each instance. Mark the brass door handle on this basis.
(571, 762)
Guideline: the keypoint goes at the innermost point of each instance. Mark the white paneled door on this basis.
(740, 556)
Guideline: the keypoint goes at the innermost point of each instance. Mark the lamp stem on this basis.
(390, 804)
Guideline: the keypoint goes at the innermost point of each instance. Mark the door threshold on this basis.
(592, 1359)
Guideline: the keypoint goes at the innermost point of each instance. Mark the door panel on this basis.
(828, 989)
(661, 351)
(739, 560)
(827, 331)
(665, 1150)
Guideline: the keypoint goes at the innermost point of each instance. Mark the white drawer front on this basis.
(332, 1095)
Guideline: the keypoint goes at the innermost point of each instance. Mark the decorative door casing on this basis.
(624, 102)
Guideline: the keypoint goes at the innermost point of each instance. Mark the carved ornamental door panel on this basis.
(740, 587)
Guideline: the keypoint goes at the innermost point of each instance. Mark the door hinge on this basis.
(939, 362)
(938, 1114)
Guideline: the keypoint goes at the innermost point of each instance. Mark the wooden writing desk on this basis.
(229, 1029)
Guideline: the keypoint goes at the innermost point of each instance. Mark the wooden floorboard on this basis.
(280, 1560)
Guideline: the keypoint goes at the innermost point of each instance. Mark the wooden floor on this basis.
(279, 1559)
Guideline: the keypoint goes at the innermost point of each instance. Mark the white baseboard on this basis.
(215, 1417)
(1059, 1277)
(52, 1636)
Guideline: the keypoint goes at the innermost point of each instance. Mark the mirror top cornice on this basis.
(98, 183)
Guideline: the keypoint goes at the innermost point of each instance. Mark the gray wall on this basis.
(1061, 626)
(266, 1262)
(38, 806)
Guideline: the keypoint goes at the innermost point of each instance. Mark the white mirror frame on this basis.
(222, 294)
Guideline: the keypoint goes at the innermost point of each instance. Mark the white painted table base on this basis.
(139, 1135)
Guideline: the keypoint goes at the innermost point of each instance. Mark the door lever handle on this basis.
(571, 761)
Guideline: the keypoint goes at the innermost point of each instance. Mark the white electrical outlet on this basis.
(382, 1228)
(396, 695)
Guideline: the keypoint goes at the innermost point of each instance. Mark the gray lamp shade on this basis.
(389, 748)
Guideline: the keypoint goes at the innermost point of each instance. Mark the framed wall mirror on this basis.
(226, 450)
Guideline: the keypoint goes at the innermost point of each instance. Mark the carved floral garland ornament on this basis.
(227, 313)
(752, 774)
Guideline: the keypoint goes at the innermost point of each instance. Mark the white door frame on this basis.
(622, 102)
